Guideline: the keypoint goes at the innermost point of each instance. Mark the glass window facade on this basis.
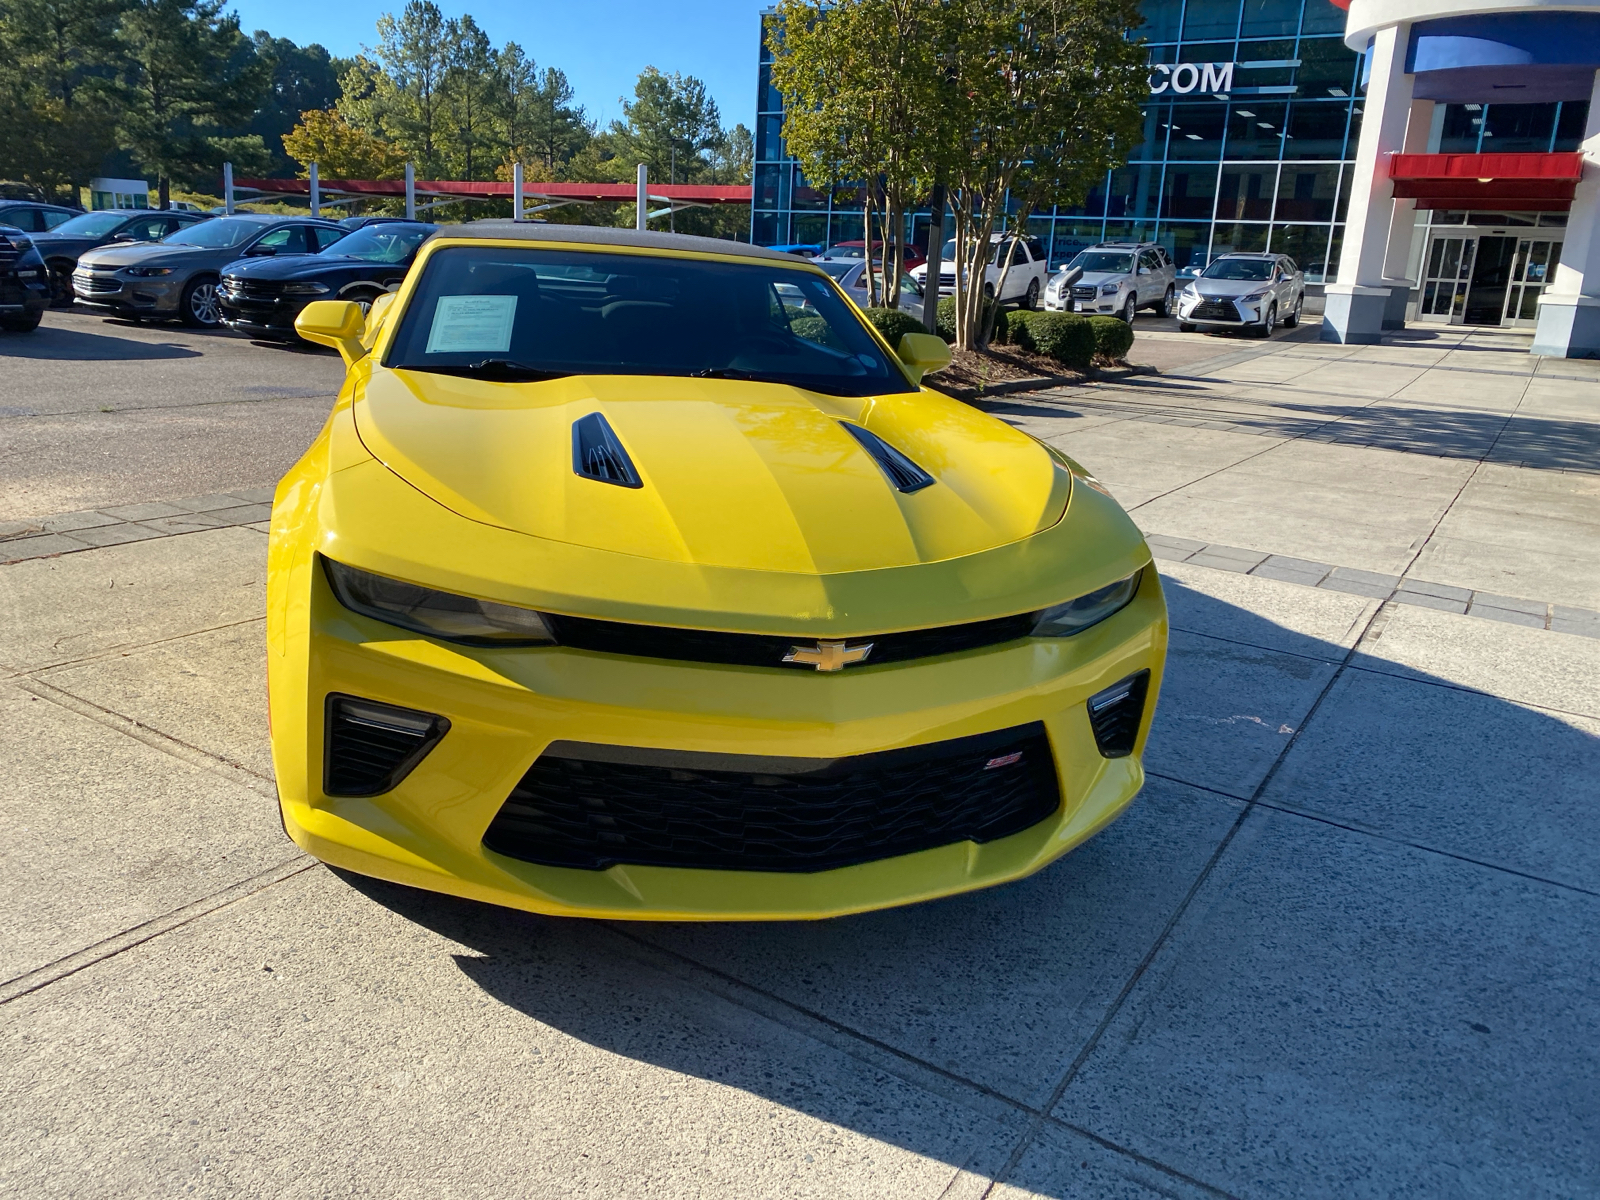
(1259, 166)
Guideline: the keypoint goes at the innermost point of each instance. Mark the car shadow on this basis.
(992, 996)
(54, 342)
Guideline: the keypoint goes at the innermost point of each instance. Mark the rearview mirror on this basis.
(260, 251)
(336, 323)
(923, 354)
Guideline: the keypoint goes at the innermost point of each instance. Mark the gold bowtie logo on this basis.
(828, 656)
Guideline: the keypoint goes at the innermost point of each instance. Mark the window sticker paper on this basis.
(472, 325)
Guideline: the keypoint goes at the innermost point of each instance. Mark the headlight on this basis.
(20, 241)
(1189, 289)
(1261, 295)
(1109, 289)
(304, 289)
(147, 272)
(1075, 616)
(437, 614)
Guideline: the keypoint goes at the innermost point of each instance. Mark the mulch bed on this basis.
(1001, 369)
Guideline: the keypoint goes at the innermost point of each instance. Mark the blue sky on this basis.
(602, 45)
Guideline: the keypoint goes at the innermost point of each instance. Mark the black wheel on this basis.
(1293, 318)
(1031, 299)
(1186, 327)
(362, 300)
(60, 284)
(988, 291)
(200, 308)
(1268, 322)
(1164, 308)
(26, 323)
(1131, 307)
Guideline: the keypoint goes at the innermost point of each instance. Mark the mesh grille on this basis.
(762, 650)
(369, 747)
(1116, 712)
(592, 807)
(1215, 310)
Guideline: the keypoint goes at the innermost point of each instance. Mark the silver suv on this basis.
(1116, 278)
(1256, 292)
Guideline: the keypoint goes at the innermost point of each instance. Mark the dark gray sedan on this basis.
(177, 277)
(67, 241)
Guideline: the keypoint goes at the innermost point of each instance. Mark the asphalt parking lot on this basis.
(1345, 944)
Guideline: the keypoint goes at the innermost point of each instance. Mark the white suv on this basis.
(1115, 278)
(1024, 282)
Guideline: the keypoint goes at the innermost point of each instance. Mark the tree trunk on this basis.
(930, 291)
(164, 190)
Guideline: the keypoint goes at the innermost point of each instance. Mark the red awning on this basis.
(1479, 182)
(698, 193)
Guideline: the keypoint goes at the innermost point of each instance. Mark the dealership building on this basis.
(1430, 160)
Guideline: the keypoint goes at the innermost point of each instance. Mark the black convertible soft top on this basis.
(607, 235)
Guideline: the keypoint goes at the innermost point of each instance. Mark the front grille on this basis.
(1083, 293)
(1115, 714)
(251, 289)
(83, 281)
(368, 748)
(766, 650)
(1214, 310)
(593, 807)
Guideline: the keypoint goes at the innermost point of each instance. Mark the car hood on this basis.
(296, 266)
(151, 254)
(746, 475)
(1098, 277)
(1230, 287)
(63, 243)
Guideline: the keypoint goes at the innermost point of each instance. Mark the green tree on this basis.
(339, 150)
(189, 76)
(1041, 99)
(397, 92)
(671, 125)
(303, 78)
(469, 88)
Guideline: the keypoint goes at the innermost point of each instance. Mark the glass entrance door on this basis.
(1491, 280)
(1446, 279)
(1531, 269)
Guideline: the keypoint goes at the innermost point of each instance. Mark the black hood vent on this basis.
(902, 472)
(598, 455)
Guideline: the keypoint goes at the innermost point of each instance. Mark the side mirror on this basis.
(336, 323)
(375, 318)
(923, 354)
(127, 235)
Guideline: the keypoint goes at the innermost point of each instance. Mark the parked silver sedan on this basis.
(1254, 292)
(177, 276)
(852, 277)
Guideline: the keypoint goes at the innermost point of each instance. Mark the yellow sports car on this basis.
(635, 575)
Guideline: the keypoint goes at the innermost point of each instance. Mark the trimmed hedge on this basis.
(1113, 338)
(947, 322)
(893, 324)
(1066, 337)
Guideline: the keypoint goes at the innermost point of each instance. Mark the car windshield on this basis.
(1118, 263)
(837, 269)
(1248, 269)
(218, 235)
(92, 224)
(381, 243)
(846, 252)
(535, 313)
(949, 253)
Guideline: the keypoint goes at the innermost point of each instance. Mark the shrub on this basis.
(1066, 337)
(893, 324)
(813, 329)
(1113, 338)
(947, 322)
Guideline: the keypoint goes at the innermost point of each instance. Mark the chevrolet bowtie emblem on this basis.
(828, 656)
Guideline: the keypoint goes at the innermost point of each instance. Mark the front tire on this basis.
(1268, 322)
(1030, 300)
(61, 295)
(26, 323)
(1293, 319)
(200, 308)
(1130, 308)
(1164, 308)
(1187, 327)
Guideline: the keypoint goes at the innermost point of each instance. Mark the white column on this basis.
(1356, 301)
(516, 191)
(1397, 258)
(227, 188)
(411, 192)
(316, 193)
(1569, 310)
(643, 200)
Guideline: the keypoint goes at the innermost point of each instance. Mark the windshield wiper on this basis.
(809, 382)
(499, 369)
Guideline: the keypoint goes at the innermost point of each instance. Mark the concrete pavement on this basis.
(1345, 943)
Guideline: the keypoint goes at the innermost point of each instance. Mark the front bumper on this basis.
(24, 292)
(155, 296)
(262, 316)
(1221, 312)
(1093, 305)
(506, 706)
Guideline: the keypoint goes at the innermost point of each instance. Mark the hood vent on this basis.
(598, 455)
(902, 472)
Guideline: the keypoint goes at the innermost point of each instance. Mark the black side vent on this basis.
(597, 455)
(902, 472)
(1115, 714)
(368, 748)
